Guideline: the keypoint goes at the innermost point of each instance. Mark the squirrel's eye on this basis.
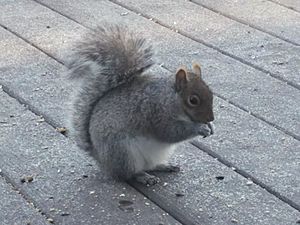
(194, 100)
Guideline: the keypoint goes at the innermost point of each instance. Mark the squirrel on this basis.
(129, 120)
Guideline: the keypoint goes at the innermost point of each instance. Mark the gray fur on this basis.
(108, 57)
(136, 127)
(131, 122)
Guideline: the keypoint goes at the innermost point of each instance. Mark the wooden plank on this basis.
(239, 41)
(73, 191)
(291, 4)
(15, 210)
(263, 15)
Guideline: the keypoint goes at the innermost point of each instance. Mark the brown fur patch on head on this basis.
(196, 96)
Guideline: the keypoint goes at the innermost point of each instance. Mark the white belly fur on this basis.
(147, 153)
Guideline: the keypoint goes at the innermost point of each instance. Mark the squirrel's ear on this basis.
(197, 69)
(181, 78)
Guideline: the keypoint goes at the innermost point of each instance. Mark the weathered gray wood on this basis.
(15, 210)
(236, 127)
(265, 15)
(192, 168)
(32, 75)
(291, 4)
(238, 40)
(60, 186)
(177, 54)
(215, 201)
(253, 90)
(66, 183)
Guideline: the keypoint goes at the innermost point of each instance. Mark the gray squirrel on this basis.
(128, 120)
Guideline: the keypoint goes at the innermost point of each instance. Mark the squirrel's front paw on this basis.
(206, 130)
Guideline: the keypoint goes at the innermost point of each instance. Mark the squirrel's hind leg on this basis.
(116, 157)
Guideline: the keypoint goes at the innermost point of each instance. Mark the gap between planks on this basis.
(22, 101)
(165, 204)
(285, 6)
(54, 125)
(171, 209)
(291, 134)
(23, 195)
(246, 23)
(239, 59)
(245, 174)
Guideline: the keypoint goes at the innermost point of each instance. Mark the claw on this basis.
(208, 130)
(212, 128)
(146, 179)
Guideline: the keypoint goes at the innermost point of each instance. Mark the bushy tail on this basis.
(108, 57)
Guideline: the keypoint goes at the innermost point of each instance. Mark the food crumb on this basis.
(27, 179)
(234, 221)
(50, 220)
(249, 183)
(40, 120)
(61, 130)
(220, 177)
(179, 194)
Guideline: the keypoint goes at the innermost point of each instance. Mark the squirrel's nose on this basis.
(210, 118)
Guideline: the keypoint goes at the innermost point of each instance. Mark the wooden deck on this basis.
(247, 173)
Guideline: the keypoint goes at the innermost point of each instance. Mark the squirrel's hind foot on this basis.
(146, 178)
